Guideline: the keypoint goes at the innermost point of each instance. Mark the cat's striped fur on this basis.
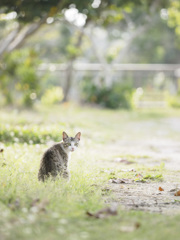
(55, 159)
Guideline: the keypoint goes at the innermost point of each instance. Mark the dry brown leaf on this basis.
(121, 180)
(103, 213)
(161, 189)
(39, 206)
(173, 190)
(130, 228)
(177, 193)
(138, 175)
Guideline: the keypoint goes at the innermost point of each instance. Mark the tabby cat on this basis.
(55, 159)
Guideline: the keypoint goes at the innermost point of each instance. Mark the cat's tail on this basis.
(45, 167)
(41, 176)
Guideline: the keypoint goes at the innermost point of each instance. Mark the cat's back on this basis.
(54, 153)
(51, 161)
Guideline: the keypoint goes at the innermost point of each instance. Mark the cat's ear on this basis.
(65, 136)
(78, 136)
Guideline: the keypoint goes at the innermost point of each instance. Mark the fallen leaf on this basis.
(128, 170)
(177, 193)
(15, 205)
(35, 201)
(130, 228)
(173, 190)
(141, 180)
(103, 213)
(161, 189)
(107, 171)
(121, 180)
(39, 206)
(121, 160)
(137, 224)
(94, 185)
(106, 189)
(2, 157)
(138, 175)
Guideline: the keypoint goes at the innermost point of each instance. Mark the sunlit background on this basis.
(114, 54)
(111, 70)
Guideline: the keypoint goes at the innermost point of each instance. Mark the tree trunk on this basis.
(17, 37)
(7, 40)
(68, 83)
(69, 70)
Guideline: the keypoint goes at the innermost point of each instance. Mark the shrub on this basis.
(19, 79)
(117, 96)
(174, 101)
(52, 96)
(29, 134)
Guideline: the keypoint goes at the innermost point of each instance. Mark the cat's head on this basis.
(71, 143)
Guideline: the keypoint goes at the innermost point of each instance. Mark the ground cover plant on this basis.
(124, 176)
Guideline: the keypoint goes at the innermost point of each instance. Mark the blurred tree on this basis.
(19, 80)
(123, 25)
(27, 17)
(73, 51)
(132, 17)
(172, 15)
(137, 21)
(31, 14)
(155, 46)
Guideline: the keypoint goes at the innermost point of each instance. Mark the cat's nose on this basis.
(72, 149)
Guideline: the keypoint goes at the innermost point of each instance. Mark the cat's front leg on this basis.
(66, 175)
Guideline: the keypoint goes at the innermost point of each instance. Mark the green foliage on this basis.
(174, 16)
(30, 134)
(57, 209)
(105, 11)
(173, 101)
(29, 11)
(73, 51)
(117, 96)
(157, 177)
(159, 41)
(62, 203)
(52, 96)
(20, 83)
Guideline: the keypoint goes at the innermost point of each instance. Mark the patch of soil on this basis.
(146, 197)
(157, 146)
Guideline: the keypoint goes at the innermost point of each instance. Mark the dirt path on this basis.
(147, 197)
(156, 149)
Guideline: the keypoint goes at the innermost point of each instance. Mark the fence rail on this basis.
(141, 74)
(115, 67)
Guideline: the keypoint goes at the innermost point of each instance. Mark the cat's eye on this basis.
(76, 144)
(68, 144)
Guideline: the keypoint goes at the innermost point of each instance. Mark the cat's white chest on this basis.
(69, 156)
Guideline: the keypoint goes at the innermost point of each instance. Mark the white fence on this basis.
(115, 67)
(140, 75)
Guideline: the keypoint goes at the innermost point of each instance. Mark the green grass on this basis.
(57, 209)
